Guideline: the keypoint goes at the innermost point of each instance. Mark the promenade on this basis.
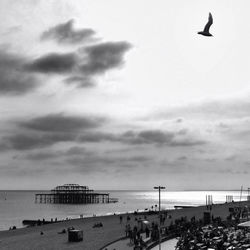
(126, 245)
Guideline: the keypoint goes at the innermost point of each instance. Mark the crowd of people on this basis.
(194, 234)
(217, 235)
(150, 231)
(214, 237)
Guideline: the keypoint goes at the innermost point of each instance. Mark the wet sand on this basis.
(93, 238)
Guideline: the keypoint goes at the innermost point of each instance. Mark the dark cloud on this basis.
(80, 81)
(83, 66)
(98, 137)
(105, 163)
(210, 159)
(159, 137)
(130, 137)
(62, 123)
(76, 151)
(14, 79)
(41, 156)
(138, 158)
(231, 158)
(65, 34)
(54, 63)
(47, 130)
(34, 141)
(72, 151)
(186, 142)
(147, 137)
(182, 158)
(179, 120)
(104, 56)
(91, 160)
(183, 132)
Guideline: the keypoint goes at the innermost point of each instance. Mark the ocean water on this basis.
(16, 206)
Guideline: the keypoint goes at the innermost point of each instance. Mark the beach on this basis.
(95, 238)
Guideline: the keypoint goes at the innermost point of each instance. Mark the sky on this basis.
(124, 94)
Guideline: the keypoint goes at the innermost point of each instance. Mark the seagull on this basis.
(205, 32)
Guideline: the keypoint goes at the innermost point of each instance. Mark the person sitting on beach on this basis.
(70, 228)
(98, 225)
(120, 219)
(62, 232)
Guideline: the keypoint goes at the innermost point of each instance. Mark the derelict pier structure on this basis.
(73, 194)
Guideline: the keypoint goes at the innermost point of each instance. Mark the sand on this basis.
(94, 238)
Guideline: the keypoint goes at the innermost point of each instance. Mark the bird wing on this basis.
(209, 23)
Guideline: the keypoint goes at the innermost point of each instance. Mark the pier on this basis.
(73, 194)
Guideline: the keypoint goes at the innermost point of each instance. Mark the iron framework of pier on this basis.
(73, 194)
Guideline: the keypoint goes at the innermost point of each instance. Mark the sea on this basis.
(16, 206)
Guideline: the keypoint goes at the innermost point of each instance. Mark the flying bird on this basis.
(205, 32)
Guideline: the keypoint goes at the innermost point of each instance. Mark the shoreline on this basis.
(95, 238)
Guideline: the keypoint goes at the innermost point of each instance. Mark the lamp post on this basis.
(159, 189)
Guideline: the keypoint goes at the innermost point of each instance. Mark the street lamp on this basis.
(159, 189)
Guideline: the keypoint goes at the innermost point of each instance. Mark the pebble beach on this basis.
(94, 238)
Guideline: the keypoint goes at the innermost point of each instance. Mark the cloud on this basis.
(47, 155)
(159, 137)
(179, 120)
(230, 158)
(210, 159)
(45, 131)
(14, 79)
(104, 56)
(182, 158)
(41, 156)
(148, 137)
(185, 142)
(93, 162)
(62, 123)
(231, 107)
(12, 30)
(76, 151)
(54, 63)
(80, 81)
(84, 65)
(65, 34)
(98, 137)
(34, 141)
(145, 137)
